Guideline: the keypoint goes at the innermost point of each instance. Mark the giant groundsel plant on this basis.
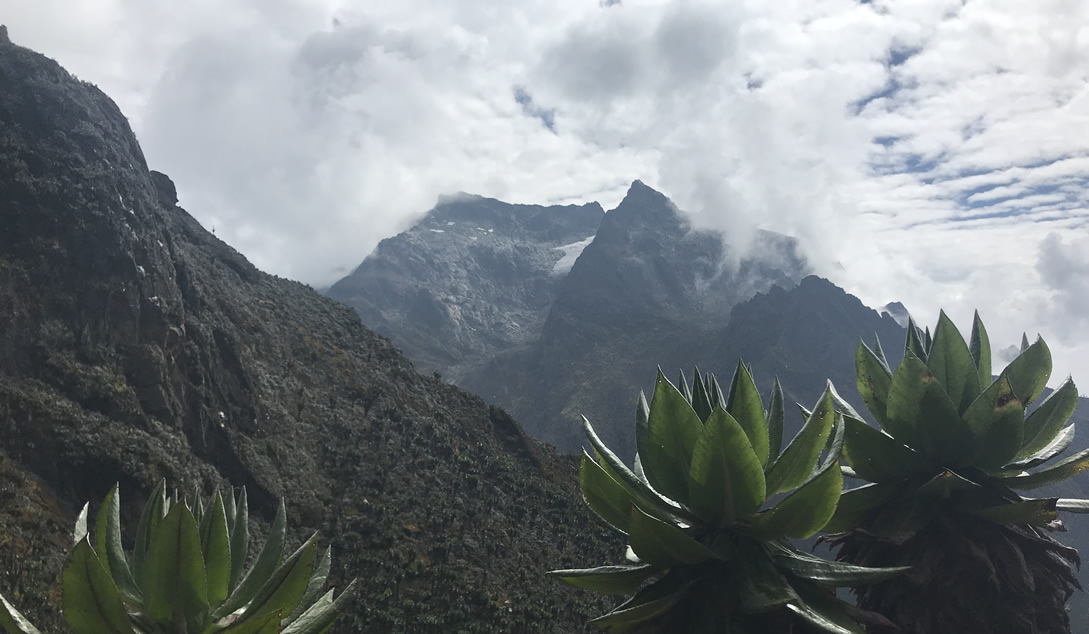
(708, 508)
(186, 573)
(953, 447)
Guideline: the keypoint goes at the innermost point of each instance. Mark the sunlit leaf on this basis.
(672, 431)
(608, 579)
(726, 478)
(744, 404)
(798, 460)
(92, 603)
(980, 348)
(1042, 425)
(951, 363)
(1029, 372)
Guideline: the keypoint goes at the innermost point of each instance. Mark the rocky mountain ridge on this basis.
(597, 295)
(492, 271)
(135, 345)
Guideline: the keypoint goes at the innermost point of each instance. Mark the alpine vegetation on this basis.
(708, 508)
(185, 574)
(953, 449)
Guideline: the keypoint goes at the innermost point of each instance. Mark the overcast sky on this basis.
(934, 152)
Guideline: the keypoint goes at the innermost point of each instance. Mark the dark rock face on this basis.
(134, 345)
(164, 187)
(474, 278)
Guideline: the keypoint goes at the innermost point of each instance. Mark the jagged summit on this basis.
(474, 277)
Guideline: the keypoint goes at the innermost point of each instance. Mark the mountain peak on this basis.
(641, 191)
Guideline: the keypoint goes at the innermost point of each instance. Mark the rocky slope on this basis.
(134, 345)
(475, 277)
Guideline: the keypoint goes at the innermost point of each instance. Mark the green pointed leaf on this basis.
(286, 586)
(839, 402)
(726, 478)
(682, 386)
(833, 573)
(268, 560)
(822, 609)
(951, 363)
(921, 416)
(319, 618)
(150, 518)
(216, 546)
(642, 417)
(608, 579)
(672, 431)
(230, 509)
(12, 621)
(1039, 512)
(661, 544)
(240, 540)
(92, 603)
(874, 380)
(314, 587)
(714, 390)
(945, 484)
(834, 447)
(797, 461)
(876, 456)
(775, 422)
(744, 404)
(1029, 372)
(760, 587)
(266, 624)
(1024, 342)
(856, 505)
(108, 541)
(916, 342)
(879, 352)
(197, 508)
(1058, 472)
(805, 510)
(1057, 446)
(980, 347)
(80, 531)
(701, 400)
(1072, 506)
(604, 495)
(174, 579)
(819, 620)
(1043, 425)
(637, 470)
(997, 420)
(648, 604)
(638, 490)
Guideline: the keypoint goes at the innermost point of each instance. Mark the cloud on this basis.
(929, 152)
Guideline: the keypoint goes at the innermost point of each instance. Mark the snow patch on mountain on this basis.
(570, 254)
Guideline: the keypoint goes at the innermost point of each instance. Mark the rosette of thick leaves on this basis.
(708, 508)
(951, 438)
(186, 573)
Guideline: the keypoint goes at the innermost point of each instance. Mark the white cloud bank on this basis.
(933, 152)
